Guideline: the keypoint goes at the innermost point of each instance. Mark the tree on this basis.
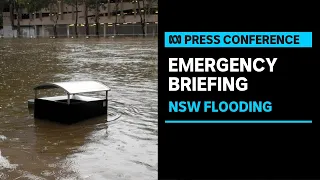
(97, 16)
(55, 15)
(18, 5)
(54, 10)
(29, 5)
(92, 5)
(75, 4)
(1, 20)
(11, 5)
(2, 4)
(88, 4)
(86, 21)
(35, 5)
(116, 9)
(97, 5)
(11, 9)
(142, 14)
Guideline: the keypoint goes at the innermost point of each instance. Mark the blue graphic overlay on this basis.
(238, 39)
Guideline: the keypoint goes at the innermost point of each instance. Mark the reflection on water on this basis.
(125, 148)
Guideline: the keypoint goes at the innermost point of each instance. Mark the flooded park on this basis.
(120, 145)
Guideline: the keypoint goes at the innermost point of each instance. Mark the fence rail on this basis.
(105, 30)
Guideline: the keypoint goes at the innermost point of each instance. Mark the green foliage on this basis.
(73, 2)
(2, 4)
(92, 4)
(34, 5)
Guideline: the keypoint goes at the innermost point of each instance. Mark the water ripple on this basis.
(122, 145)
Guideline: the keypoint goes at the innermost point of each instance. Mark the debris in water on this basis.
(3, 138)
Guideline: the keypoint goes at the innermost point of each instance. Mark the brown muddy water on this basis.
(124, 148)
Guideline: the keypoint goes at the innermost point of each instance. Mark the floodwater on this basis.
(120, 145)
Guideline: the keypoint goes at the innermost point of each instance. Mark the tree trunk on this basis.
(115, 25)
(143, 26)
(55, 33)
(97, 29)
(11, 7)
(18, 10)
(86, 18)
(142, 18)
(116, 19)
(97, 18)
(76, 23)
